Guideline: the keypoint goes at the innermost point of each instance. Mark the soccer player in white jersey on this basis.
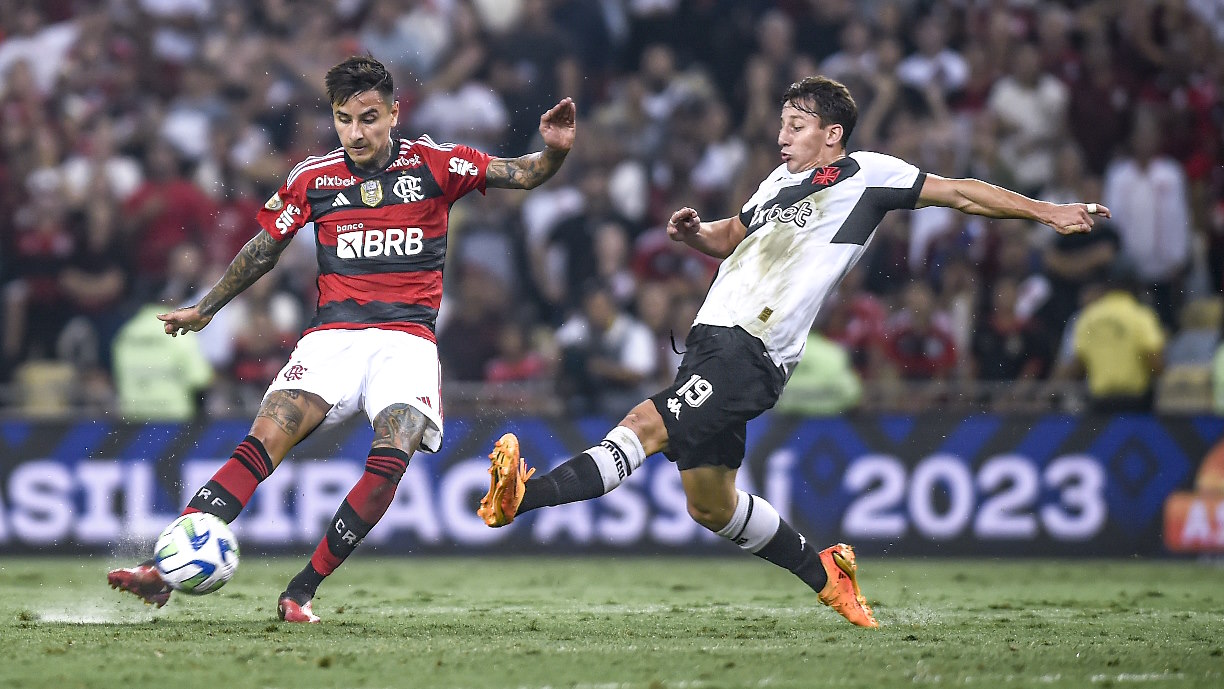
(794, 240)
(379, 208)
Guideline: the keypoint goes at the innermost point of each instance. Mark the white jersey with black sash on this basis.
(805, 231)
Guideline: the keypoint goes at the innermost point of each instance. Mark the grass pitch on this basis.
(623, 623)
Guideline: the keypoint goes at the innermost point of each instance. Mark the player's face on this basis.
(803, 142)
(364, 124)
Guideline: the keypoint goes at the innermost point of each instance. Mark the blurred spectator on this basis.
(34, 307)
(468, 328)
(960, 296)
(723, 153)
(95, 280)
(408, 36)
(1217, 377)
(157, 377)
(854, 63)
(576, 238)
(97, 167)
(917, 342)
(1031, 108)
(1008, 345)
(608, 357)
(1146, 191)
(165, 211)
(261, 349)
(855, 320)
(516, 360)
(1198, 333)
(653, 306)
(532, 66)
(1099, 111)
(40, 46)
(934, 64)
(1119, 346)
(823, 382)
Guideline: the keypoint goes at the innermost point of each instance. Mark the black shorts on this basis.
(725, 379)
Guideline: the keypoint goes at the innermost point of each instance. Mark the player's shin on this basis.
(589, 475)
(364, 505)
(757, 527)
(229, 490)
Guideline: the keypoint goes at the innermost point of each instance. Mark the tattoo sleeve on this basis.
(400, 426)
(524, 172)
(255, 259)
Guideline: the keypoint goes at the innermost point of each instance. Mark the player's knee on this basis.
(647, 425)
(389, 463)
(711, 513)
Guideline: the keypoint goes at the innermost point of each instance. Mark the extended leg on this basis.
(398, 430)
(513, 491)
(284, 419)
(753, 524)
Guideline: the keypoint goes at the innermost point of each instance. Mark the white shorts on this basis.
(368, 369)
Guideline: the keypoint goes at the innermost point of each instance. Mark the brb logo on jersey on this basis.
(777, 213)
(354, 240)
(461, 166)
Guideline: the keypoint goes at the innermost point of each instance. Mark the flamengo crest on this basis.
(408, 188)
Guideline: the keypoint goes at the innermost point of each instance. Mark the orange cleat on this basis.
(143, 581)
(507, 477)
(290, 610)
(842, 591)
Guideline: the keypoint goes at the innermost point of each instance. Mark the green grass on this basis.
(623, 623)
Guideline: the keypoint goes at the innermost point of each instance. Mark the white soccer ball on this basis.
(197, 553)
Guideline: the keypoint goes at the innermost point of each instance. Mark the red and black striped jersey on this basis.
(381, 239)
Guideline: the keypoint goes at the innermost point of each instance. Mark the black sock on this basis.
(577, 479)
(303, 586)
(791, 551)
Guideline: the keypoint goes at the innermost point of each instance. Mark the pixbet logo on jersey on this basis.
(354, 240)
(797, 214)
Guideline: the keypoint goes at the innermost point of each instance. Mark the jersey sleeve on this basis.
(458, 169)
(286, 211)
(901, 180)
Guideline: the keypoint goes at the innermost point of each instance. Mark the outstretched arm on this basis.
(557, 128)
(981, 198)
(255, 259)
(717, 238)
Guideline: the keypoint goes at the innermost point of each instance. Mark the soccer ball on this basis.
(196, 554)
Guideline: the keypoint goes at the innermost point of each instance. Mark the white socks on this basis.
(753, 524)
(617, 456)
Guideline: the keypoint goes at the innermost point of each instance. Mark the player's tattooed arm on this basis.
(255, 259)
(525, 172)
(400, 426)
(557, 129)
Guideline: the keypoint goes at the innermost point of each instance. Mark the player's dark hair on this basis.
(825, 98)
(357, 74)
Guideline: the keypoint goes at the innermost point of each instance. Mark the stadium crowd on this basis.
(140, 137)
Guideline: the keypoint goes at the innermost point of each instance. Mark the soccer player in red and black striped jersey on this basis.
(379, 208)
